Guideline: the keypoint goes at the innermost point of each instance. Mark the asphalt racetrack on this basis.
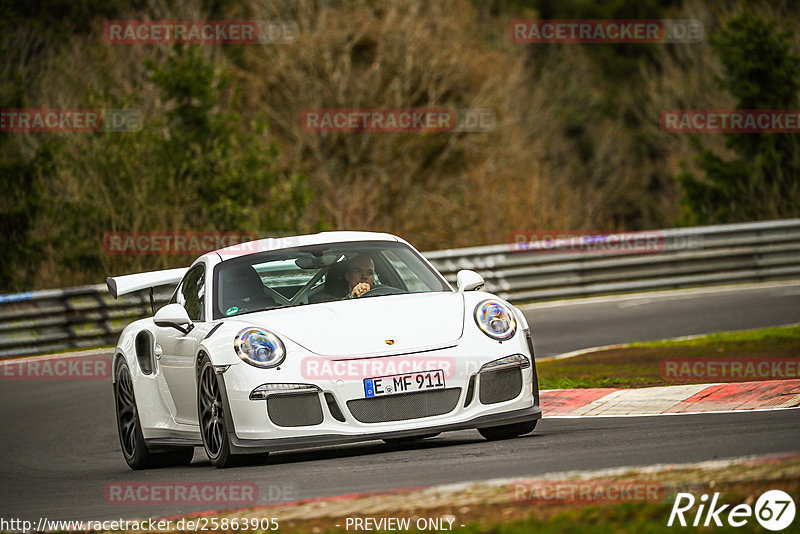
(59, 446)
(572, 325)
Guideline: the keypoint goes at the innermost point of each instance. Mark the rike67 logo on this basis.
(774, 510)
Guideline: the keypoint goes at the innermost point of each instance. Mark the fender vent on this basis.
(144, 351)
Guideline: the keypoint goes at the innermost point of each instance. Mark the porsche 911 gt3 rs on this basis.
(315, 340)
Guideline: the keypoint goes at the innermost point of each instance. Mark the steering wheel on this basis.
(382, 290)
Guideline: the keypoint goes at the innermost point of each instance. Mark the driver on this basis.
(360, 276)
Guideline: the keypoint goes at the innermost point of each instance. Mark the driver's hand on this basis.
(359, 289)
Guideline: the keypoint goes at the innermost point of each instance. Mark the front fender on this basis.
(218, 344)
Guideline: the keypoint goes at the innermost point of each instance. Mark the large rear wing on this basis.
(122, 285)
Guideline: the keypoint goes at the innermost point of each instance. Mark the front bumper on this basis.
(317, 440)
(251, 428)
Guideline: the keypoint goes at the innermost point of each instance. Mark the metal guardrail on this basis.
(38, 322)
(685, 257)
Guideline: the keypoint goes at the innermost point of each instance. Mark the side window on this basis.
(407, 275)
(191, 293)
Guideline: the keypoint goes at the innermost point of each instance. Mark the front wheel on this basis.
(134, 448)
(212, 421)
(493, 433)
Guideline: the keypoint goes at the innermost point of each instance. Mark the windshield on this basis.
(320, 273)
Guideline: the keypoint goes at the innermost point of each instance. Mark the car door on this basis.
(175, 350)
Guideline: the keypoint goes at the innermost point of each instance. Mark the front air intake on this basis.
(499, 386)
(405, 406)
(294, 409)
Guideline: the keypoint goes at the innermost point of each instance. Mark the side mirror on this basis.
(175, 316)
(469, 281)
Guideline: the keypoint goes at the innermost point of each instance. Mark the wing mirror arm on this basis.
(183, 329)
(174, 316)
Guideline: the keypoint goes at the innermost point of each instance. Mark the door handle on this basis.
(158, 352)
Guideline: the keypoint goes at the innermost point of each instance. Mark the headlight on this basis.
(495, 320)
(259, 348)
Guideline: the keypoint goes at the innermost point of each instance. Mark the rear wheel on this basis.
(131, 439)
(212, 422)
(407, 439)
(493, 433)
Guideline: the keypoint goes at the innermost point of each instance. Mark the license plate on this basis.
(407, 383)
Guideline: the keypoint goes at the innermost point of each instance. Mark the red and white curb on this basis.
(695, 398)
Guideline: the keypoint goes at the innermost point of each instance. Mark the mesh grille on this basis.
(297, 409)
(499, 386)
(406, 406)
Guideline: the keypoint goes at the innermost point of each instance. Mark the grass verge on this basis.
(643, 364)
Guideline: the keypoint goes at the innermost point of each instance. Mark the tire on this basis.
(131, 440)
(213, 428)
(493, 433)
(409, 439)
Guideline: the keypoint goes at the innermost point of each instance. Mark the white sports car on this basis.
(315, 340)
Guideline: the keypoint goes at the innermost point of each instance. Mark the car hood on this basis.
(361, 327)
